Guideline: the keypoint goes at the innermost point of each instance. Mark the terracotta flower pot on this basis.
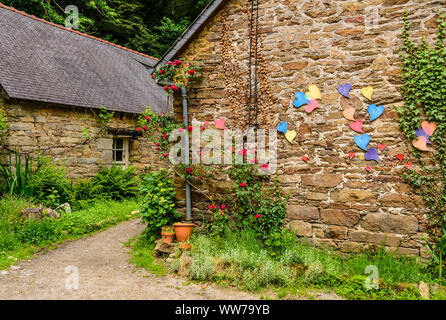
(167, 237)
(183, 230)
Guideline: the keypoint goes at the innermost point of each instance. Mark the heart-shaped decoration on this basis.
(314, 104)
(429, 127)
(408, 165)
(282, 127)
(301, 99)
(357, 126)
(381, 146)
(375, 112)
(368, 168)
(367, 92)
(422, 133)
(220, 124)
(400, 157)
(362, 141)
(313, 92)
(290, 135)
(344, 89)
(361, 156)
(371, 154)
(351, 155)
(420, 144)
(305, 158)
(349, 114)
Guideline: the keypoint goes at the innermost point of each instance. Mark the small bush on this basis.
(37, 232)
(115, 183)
(158, 202)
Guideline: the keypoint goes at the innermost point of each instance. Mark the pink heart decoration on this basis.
(314, 104)
(220, 124)
(408, 165)
(351, 155)
(381, 146)
(305, 158)
(349, 114)
(400, 157)
(368, 168)
(420, 144)
(357, 126)
(429, 127)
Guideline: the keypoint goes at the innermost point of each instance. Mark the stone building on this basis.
(334, 200)
(52, 82)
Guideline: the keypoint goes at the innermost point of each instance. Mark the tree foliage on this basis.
(148, 26)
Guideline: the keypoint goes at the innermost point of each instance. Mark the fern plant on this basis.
(116, 183)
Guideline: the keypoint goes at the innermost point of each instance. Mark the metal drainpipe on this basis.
(186, 151)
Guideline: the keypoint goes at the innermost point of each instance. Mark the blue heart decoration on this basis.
(344, 89)
(371, 154)
(362, 141)
(375, 112)
(282, 127)
(301, 99)
(422, 133)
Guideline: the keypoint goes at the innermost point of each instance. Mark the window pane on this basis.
(118, 144)
(118, 156)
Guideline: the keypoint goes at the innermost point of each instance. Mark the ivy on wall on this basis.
(424, 91)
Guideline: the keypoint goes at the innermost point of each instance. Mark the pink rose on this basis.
(257, 216)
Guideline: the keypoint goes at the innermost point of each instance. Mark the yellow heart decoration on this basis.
(313, 92)
(361, 156)
(290, 135)
(367, 92)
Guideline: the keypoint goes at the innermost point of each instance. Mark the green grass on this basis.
(240, 260)
(143, 255)
(20, 241)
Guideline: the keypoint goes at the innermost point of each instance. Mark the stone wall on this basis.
(56, 131)
(334, 200)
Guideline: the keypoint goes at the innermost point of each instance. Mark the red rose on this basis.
(162, 71)
(257, 216)
(214, 206)
(145, 128)
(189, 170)
(139, 129)
(165, 135)
(223, 206)
(178, 62)
(158, 148)
(170, 63)
(174, 87)
(166, 88)
(243, 184)
(189, 128)
(147, 118)
(209, 207)
(243, 151)
(152, 75)
(191, 72)
(165, 154)
(158, 144)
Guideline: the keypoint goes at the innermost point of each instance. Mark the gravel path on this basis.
(103, 273)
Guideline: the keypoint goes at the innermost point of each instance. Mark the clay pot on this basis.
(183, 230)
(167, 237)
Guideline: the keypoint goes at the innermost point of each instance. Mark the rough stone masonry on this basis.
(334, 200)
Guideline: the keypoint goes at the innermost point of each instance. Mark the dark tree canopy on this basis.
(148, 26)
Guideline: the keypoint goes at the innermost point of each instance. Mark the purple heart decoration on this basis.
(344, 89)
(422, 133)
(371, 154)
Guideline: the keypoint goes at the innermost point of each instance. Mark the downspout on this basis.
(186, 152)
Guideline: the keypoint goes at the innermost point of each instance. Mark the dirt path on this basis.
(104, 273)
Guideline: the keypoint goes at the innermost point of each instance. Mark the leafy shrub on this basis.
(37, 232)
(158, 201)
(14, 177)
(48, 184)
(115, 183)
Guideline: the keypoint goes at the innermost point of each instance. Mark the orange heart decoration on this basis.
(349, 114)
(429, 127)
(420, 144)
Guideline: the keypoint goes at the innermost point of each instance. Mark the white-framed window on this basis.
(120, 150)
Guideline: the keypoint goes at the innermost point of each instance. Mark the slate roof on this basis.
(41, 61)
(195, 27)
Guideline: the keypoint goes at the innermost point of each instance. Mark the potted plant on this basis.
(167, 234)
(183, 230)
